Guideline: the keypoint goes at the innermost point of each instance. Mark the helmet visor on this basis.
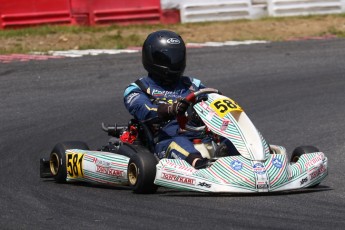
(172, 58)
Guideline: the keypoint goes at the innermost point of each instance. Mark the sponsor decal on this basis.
(304, 180)
(167, 94)
(313, 161)
(157, 93)
(224, 125)
(132, 97)
(101, 162)
(109, 171)
(277, 162)
(262, 185)
(259, 168)
(104, 167)
(236, 165)
(173, 41)
(179, 179)
(204, 184)
(317, 172)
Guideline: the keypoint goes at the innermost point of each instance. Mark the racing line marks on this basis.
(25, 57)
(79, 53)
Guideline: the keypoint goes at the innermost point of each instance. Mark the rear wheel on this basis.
(141, 168)
(57, 162)
(299, 151)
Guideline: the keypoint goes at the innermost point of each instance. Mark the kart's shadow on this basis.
(168, 192)
(171, 192)
(90, 185)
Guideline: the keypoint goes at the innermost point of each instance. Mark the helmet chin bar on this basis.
(164, 75)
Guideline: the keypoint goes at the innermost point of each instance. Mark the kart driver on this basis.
(156, 98)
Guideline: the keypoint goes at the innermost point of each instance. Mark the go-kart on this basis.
(242, 161)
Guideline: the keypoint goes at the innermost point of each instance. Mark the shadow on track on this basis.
(173, 193)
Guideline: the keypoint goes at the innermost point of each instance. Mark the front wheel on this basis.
(141, 168)
(299, 151)
(57, 160)
(225, 149)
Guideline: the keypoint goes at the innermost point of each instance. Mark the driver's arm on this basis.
(139, 104)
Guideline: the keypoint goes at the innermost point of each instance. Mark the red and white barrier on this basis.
(21, 13)
(124, 12)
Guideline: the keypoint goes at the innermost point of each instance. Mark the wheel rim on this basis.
(54, 164)
(295, 159)
(132, 173)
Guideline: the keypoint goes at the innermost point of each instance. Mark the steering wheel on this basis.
(191, 99)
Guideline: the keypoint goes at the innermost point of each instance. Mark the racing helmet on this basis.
(164, 56)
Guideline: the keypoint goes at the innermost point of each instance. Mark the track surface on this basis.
(293, 92)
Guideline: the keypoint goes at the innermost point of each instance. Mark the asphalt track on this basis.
(293, 92)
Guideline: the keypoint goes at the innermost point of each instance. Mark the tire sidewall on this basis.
(145, 163)
(299, 151)
(60, 151)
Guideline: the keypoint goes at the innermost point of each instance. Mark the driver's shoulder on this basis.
(137, 86)
(191, 82)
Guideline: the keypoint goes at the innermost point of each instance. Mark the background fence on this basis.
(21, 13)
(206, 10)
(304, 7)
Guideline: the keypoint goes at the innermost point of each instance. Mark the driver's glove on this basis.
(170, 111)
(180, 107)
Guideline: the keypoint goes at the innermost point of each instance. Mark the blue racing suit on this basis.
(142, 99)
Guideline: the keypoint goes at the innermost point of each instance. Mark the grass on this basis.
(337, 32)
(53, 37)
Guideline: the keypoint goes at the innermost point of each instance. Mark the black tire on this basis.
(57, 160)
(128, 150)
(299, 151)
(221, 151)
(141, 168)
(225, 150)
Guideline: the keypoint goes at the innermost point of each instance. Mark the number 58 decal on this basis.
(224, 106)
(74, 165)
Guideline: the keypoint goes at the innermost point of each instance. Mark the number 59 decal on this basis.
(224, 106)
(74, 165)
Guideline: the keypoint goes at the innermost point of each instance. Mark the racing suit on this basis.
(142, 99)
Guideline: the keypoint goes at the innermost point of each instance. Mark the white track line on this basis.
(80, 53)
